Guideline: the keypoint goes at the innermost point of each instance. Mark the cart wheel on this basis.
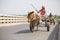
(30, 28)
(54, 23)
(48, 27)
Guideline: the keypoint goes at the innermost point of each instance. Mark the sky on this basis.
(22, 7)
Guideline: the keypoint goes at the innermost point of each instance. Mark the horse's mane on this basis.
(30, 14)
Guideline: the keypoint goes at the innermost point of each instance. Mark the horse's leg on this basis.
(38, 24)
(30, 26)
(50, 22)
(37, 28)
(33, 24)
(53, 21)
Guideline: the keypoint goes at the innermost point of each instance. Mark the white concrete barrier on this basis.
(12, 19)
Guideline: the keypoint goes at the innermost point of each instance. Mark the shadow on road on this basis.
(23, 31)
(28, 31)
(43, 30)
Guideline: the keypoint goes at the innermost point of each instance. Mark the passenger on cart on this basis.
(42, 13)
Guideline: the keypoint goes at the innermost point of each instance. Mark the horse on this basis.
(33, 19)
(52, 19)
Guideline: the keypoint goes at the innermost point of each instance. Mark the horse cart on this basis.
(36, 22)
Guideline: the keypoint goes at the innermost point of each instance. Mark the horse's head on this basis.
(29, 13)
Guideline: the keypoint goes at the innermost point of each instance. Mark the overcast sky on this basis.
(22, 7)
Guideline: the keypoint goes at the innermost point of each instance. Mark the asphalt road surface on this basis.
(22, 32)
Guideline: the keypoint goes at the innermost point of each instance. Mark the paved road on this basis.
(22, 32)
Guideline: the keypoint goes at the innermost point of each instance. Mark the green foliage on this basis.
(57, 18)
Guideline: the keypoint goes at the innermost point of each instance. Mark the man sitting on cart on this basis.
(42, 12)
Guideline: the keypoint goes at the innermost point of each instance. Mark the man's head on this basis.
(50, 13)
(43, 7)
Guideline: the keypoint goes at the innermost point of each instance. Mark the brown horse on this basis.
(33, 20)
(52, 19)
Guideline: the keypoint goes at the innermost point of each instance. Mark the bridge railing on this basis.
(12, 19)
